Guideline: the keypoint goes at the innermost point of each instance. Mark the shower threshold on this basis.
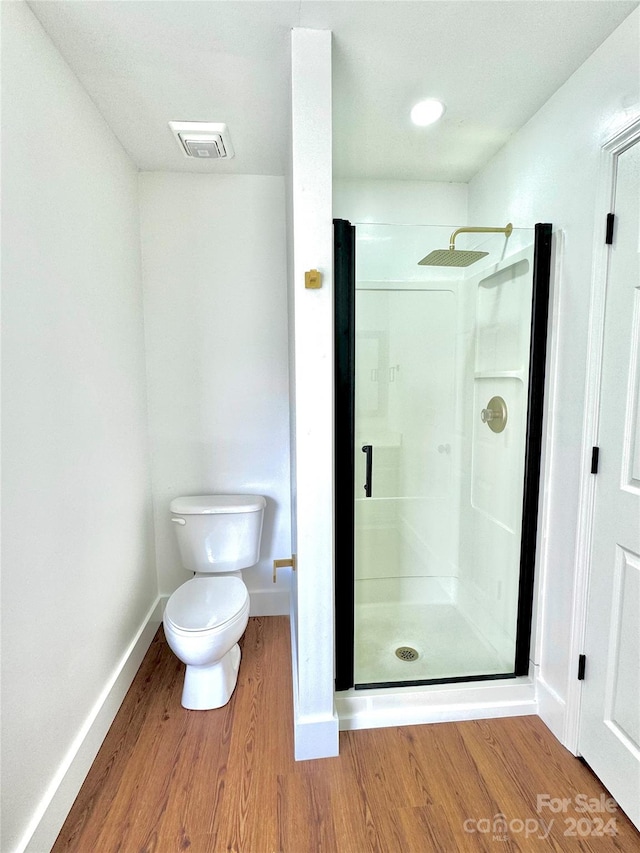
(420, 682)
(377, 707)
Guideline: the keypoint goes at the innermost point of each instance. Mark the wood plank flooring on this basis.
(168, 780)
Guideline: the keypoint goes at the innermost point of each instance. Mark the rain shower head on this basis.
(453, 257)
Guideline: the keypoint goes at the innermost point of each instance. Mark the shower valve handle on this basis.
(495, 415)
(487, 415)
(368, 449)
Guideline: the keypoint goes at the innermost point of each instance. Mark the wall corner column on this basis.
(315, 718)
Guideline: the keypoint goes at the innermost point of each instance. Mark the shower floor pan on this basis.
(446, 644)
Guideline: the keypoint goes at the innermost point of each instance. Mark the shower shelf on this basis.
(499, 374)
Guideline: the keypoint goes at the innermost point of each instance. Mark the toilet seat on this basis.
(207, 604)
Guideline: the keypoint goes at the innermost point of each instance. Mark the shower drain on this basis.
(407, 653)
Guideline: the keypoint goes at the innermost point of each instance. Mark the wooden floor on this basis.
(170, 780)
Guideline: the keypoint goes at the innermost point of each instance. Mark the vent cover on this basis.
(203, 140)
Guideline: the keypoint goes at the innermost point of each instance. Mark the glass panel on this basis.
(441, 373)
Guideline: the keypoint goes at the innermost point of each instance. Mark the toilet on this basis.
(218, 536)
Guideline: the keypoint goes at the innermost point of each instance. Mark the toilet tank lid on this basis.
(212, 504)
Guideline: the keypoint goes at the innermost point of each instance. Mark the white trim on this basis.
(313, 377)
(269, 602)
(605, 199)
(314, 736)
(53, 808)
(379, 708)
(551, 708)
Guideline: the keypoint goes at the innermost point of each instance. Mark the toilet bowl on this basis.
(203, 621)
(218, 536)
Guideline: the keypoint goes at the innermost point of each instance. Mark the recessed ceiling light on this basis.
(426, 112)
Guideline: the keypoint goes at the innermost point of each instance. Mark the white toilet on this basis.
(218, 536)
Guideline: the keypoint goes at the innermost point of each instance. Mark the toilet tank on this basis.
(218, 533)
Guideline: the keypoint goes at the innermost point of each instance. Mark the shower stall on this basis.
(439, 380)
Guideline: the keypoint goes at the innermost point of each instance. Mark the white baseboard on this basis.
(54, 807)
(551, 709)
(314, 736)
(270, 602)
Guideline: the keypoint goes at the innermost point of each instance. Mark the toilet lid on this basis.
(204, 603)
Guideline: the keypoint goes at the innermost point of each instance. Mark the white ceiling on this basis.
(494, 63)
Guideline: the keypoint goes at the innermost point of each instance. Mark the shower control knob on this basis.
(495, 415)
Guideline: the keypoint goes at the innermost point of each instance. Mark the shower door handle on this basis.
(368, 449)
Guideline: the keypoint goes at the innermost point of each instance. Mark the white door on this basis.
(609, 738)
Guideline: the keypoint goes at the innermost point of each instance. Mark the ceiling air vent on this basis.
(203, 140)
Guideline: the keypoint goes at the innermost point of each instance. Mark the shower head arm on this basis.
(472, 229)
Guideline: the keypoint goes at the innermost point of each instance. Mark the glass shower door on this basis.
(405, 500)
(446, 374)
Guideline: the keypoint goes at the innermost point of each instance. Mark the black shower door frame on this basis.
(344, 453)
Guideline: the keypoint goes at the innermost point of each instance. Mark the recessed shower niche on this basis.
(439, 378)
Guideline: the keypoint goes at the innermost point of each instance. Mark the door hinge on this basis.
(582, 662)
(595, 458)
(609, 234)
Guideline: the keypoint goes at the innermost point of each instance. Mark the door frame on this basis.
(605, 203)
(344, 266)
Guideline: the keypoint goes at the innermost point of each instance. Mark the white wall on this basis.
(400, 202)
(548, 172)
(78, 571)
(214, 262)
